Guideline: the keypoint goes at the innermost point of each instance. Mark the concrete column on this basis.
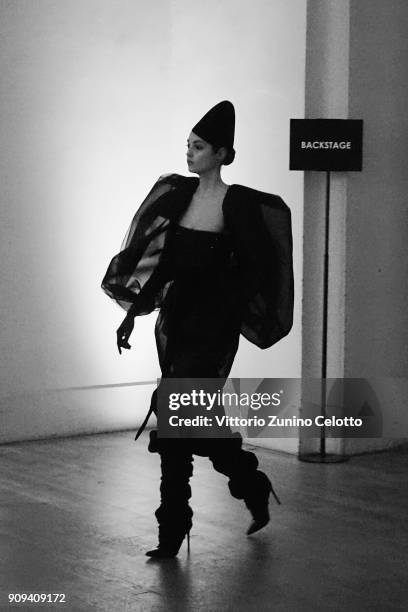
(356, 65)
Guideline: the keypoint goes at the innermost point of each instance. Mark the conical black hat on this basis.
(218, 125)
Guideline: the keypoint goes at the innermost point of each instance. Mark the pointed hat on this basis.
(218, 125)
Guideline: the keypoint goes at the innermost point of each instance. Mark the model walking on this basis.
(216, 259)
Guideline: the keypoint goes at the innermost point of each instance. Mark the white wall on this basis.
(78, 80)
(253, 54)
(99, 97)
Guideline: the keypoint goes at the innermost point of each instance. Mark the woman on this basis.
(217, 260)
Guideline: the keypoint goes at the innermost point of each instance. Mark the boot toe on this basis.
(161, 553)
(256, 525)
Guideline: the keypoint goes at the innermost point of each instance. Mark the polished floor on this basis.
(76, 517)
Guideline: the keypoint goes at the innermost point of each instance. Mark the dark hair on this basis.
(230, 155)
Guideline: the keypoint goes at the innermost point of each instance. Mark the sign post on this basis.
(325, 145)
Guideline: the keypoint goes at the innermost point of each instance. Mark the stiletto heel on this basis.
(275, 496)
(165, 552)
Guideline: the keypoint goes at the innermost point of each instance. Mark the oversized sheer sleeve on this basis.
(260, 228)
(262, 232)
(133, 278)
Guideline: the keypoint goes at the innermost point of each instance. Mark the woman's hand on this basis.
(123, 332)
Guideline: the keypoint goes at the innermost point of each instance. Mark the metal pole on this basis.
(322, 456)
(325, 315)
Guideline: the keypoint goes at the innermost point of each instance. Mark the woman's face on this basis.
(201, 156)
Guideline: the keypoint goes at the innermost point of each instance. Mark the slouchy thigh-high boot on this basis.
(245, 480)
(174, 515)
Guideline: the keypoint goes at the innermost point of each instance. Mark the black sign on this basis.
(326, 144)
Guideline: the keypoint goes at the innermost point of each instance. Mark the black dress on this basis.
(198, 327)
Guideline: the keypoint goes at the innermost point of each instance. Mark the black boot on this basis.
(174, 514)
(245, 480)
(174, 526)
